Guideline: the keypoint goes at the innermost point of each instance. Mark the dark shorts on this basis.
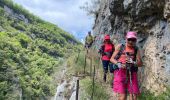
(88, 45)
(107, 64)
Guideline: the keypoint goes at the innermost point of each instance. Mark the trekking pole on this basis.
(128, 65)
(130, 77)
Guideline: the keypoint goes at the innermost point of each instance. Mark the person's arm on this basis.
(112, 59)
(113, 49)
(101, 50)
(139, 59)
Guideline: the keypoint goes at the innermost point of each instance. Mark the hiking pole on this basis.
(130, 77)
(129, 72)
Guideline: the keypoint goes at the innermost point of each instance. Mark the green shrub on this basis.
(28, 59)
(99, 91)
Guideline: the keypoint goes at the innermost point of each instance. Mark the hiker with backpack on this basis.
(88, 40)
(127, 60)
(106, 51)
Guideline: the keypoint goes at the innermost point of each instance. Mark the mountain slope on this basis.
(30, 50)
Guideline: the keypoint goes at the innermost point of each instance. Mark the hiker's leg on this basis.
(134, 96)
(122, 97)
(105, 66)
(111, 74)
(87, 48)
(133, 87)
(111, 67)
(105, 69)
(90, 45)
(119, 85)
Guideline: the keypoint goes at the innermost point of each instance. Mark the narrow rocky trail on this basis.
(99, 76)
(106, 85)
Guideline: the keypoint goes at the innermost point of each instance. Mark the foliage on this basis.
(91, 7)
(29, 54)
(147, 95)
(20, 10)
(99, 91)
(76, 65)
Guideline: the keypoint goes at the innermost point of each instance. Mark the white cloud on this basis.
(64, 13)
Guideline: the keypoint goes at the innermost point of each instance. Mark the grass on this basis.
(147, 95)
(99, 91)
(76, 65)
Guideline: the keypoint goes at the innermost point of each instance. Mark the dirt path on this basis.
(108, 87)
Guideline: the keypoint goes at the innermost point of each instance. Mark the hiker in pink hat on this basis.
(127, 60)
(106, 51)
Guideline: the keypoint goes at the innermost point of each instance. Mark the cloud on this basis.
(64, 13)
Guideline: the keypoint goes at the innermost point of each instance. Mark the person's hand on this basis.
(121, 65)
(100, 51)
(130, 61)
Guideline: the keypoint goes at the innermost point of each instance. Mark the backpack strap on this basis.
(135, 69)
(122, 48)
(135, 53)
(113, 48)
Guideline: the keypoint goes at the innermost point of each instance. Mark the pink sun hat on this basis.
(106, 37)
(131, 34)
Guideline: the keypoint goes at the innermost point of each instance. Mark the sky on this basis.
(64, 13)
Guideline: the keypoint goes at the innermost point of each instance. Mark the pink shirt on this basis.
(108, 48)
(122, 58)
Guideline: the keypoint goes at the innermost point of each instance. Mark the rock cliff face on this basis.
(10, 12)
(151, 20)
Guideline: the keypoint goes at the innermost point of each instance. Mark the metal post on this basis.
(93, 84)
(91, 67)
(84, 64)
(77, 90)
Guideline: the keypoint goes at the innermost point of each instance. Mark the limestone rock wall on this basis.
(151, 20)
